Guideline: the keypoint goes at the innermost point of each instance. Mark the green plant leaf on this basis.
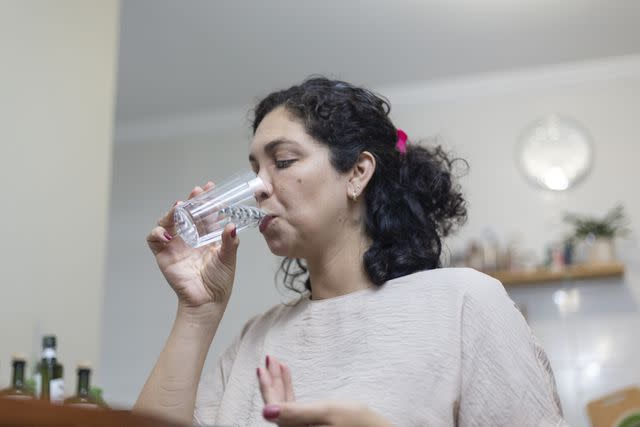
(611, 225)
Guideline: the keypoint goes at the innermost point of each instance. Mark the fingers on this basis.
(293, 413)
(288, 383)
(197, 190)
(264, 382)
(270, 381)
(273, 366)
(158, 239)
(277, 385)
(275, 381)
(229, 248)
(166, 220)
(323, 414)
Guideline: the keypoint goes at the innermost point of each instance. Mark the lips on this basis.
(265, 222)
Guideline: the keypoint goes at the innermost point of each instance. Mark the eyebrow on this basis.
(271, 146)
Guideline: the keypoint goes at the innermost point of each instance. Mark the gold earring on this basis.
(354, 194)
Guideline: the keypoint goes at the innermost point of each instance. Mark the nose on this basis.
(266, 191)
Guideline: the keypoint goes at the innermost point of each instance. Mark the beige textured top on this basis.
(443, 347)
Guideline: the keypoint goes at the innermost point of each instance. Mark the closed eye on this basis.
(282, 164)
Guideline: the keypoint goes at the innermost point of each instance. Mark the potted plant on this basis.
(597, 235)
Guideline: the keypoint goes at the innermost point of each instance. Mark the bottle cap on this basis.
(84, 365)
(49, 341)
(19, 357)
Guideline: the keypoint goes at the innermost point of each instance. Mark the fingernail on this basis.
(233, 233)
(271, 411)
(267, 361)
(258, 372)
(167, 236)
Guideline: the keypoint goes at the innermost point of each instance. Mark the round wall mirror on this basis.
(555, 152)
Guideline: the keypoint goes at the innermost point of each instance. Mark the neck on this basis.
(338, 269)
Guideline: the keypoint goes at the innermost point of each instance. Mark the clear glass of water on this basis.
(201, 220)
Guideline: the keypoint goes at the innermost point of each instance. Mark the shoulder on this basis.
(460, 289)
(466, 281)
(262, 322)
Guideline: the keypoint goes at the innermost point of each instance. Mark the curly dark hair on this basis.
(412, 200)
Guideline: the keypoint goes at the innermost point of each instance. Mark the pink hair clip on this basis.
(401, 143)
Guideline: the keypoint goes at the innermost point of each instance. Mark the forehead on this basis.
(279, 124)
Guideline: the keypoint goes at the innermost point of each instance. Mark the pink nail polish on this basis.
(167, 236)
(267, 362)
(233, 233)
(258, 372)
(271, 411)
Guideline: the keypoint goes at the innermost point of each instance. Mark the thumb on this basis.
(229, 248)
(294, 413)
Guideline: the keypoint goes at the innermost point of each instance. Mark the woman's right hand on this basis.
(198, 276)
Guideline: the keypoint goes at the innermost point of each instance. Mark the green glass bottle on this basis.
(83, 397)
(49, 382)
(18, 390)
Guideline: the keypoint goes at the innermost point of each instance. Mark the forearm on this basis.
(170, 390)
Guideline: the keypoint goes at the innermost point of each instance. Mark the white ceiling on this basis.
(184, 57)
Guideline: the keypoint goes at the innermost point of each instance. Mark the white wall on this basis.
(139, 306)
(592, 341)
(479, 119)
(57, 82)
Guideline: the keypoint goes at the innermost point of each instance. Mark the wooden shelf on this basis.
(573, 272)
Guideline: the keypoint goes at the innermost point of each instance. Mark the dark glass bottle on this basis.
(83, 397)
(49, 382)
(18, 389)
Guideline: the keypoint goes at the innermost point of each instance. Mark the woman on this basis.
(382, 336)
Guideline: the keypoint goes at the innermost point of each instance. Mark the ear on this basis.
(360, 174)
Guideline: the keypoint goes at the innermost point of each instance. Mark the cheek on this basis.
(310, 199)
(297, 193)
(301, 200)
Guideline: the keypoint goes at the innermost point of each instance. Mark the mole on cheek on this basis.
(299, 181)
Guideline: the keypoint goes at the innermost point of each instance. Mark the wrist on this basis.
(203, 315)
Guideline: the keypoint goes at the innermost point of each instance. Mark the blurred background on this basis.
(112, 110)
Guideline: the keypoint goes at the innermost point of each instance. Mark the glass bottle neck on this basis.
(18, 374)
(83, 382)
(48, 353)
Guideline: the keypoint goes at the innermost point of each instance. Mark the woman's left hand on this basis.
(323, 414)
(282, 409)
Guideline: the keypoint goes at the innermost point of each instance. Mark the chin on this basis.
(277, 247)
(282, 248)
